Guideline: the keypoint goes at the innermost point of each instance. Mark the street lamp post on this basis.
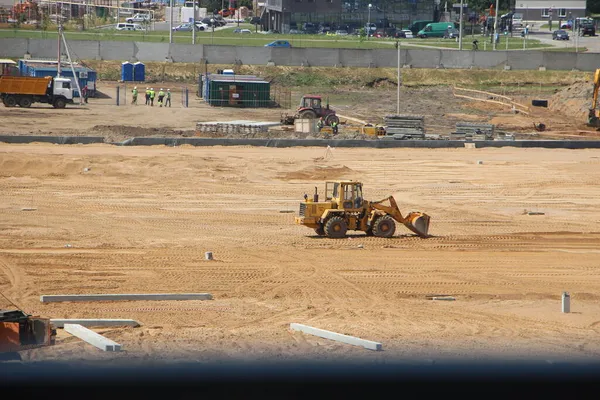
(212, 36)
(496, 24)
(369, 22)
(194, 23)
(171, 22)
(460, 26)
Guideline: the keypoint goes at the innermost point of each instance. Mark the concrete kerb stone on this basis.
(92, 337)
(60, 323)
(338, 337)
(124, 297)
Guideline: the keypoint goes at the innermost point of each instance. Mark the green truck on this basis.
(436, 29)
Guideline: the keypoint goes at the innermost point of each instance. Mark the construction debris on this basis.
(92, 337)
(124, 297)
(60, 323)
(241, 127)
(367, 344)
(473, 131)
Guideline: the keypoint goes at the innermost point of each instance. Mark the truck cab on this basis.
(61, 87)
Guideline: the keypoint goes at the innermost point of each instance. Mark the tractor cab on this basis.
(313, 102)
(347, 194)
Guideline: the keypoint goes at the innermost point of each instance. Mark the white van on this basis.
(121, 26)
(517, 20)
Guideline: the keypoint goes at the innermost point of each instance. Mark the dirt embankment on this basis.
(573, 101)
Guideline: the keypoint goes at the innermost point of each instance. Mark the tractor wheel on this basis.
(320, 231)
(10, 101)
(308, 114)
(25, 102)
(336, 227)
(384, 227)
(332, 118)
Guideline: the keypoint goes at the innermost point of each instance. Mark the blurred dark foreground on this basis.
(300, 380)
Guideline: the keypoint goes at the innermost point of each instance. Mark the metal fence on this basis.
(281, 97)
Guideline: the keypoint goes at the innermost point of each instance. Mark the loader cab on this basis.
(347, 194)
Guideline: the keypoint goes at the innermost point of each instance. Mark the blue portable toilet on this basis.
(126, 71)
(139, 72)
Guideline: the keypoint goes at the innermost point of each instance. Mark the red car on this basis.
(379, 34)
(227, 12)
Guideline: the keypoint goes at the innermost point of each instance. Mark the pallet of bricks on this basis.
(403, 127)
(473, 131)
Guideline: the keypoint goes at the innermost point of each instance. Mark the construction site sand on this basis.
(139, 220)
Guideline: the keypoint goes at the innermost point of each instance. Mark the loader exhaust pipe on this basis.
(316, 196)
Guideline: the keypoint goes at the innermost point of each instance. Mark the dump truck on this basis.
(26, 90)
(344, 209)
(20, 331)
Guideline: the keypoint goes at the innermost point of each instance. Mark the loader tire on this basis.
(384, 227)
(336, 227)
(320, 231)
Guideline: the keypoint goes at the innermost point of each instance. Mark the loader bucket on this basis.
(418, 223)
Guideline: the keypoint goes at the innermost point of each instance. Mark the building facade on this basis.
(283, 15)
(544, 10)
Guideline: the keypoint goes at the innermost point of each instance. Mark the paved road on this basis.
(592, 43)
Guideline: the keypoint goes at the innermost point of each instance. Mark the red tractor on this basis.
(310, 107)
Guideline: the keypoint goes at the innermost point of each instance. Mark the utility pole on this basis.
(496, 23)
(460, 29)
(194, 23)
(171, 22)
(60, 33)
(398, 91)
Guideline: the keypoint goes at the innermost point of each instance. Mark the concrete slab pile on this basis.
(405, 126)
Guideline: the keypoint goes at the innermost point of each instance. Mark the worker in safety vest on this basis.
(147, 95)
(168, 101)
(334, 126)
(134, 93)
(320, 124)
(152, 95)
(161, 96)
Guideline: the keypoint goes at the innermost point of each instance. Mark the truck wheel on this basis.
(59, 103)
(331, 119)
(309, 114)
(384, 227)
(336, 227)
(320, 231)
(25, 102)
(10, 101)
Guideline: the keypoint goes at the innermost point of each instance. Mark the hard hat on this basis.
(161, 89)
(135, 87)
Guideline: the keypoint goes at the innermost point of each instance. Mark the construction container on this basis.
(139, 72)
(236, 91)
(126, 71)
(86, 76)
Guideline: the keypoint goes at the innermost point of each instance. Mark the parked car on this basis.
(121, 26)
(201, 26)
(295, 32)
(187, 27)
(341, 32)
(279, 43)
(138, 18)
(566, 25)
(371, 28)
(587, 29)
(407, 34)
(560, 35)
(238, 30)
(379, 33)
(451, 33)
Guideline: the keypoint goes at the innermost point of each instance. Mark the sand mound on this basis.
(573, 101)
(320, 173)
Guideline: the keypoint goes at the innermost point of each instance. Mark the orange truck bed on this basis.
(24, 85)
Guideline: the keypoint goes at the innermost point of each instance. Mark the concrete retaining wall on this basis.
(318, 57)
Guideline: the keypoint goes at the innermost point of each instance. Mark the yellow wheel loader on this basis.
(344, 209)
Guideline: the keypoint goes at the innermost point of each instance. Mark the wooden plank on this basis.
(338, 337)
(60, 323)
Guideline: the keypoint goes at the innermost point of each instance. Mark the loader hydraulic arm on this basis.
(415, 221)
(593, 118)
